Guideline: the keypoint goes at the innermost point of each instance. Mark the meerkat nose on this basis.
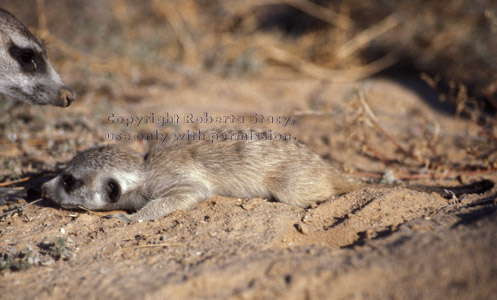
(66, 95)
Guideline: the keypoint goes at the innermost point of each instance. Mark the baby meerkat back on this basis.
(246, 164)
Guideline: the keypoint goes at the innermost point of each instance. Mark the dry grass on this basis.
(218, 35)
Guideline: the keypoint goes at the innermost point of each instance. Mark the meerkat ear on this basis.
(112, 190)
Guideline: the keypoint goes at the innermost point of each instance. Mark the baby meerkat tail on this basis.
(308, 188)
(343, 184)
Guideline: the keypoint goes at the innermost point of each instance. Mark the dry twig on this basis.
(100, 214)
(376, 123)
(360, 40)
(19, 208)
(315, 71)
(150, 246)
(439, 175)
(14, 182)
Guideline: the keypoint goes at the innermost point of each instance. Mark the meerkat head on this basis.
(97, 178)
(25, 71)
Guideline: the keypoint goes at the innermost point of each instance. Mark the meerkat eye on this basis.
(112, 190)
(70, 183)
(25, 57)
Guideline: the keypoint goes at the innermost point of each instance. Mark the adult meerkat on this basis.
(180, 174)
(25, 71)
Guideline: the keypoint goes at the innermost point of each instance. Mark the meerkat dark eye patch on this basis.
(112, 190)
(70, 183)
(30, 60)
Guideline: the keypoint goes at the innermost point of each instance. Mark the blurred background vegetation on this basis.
(449, 43)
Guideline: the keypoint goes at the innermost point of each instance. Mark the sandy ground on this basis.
(380, 242)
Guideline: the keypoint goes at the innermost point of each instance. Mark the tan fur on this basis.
(181, 174)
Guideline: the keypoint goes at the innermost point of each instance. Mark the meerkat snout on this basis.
(96, 179)
(182, 173)
(101, 193)
(25, 70)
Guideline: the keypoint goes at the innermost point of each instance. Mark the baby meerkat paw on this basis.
(122, 217)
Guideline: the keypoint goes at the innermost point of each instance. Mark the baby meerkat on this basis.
(180, 174)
